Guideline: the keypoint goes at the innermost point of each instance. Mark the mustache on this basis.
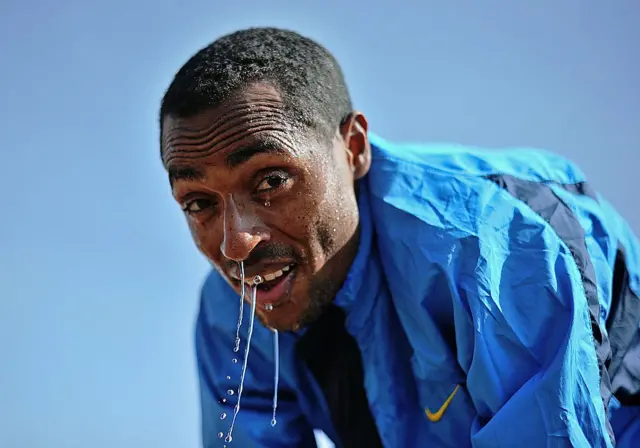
(268, 252)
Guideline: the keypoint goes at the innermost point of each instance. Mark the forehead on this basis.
(254, 115)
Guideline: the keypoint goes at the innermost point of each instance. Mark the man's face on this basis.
(256, 190)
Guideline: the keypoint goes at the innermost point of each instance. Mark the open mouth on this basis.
(275, 285)
(272, 279)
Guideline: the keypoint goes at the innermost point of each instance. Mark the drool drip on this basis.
(236, 348)
(256, 281)
(276, 377)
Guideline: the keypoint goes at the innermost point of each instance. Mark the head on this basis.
(264, 151)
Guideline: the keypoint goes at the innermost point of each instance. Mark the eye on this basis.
(197, 206)
(273, 182)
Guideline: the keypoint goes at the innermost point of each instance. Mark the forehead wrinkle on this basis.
(270, 136)
(269, 96)
(227, 128)
(232, 111)
(227, 135)
(177, 137)
(176, 134)
(229, 140)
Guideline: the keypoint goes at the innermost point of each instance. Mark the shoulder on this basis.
(483, 253)
(487, 224)
(471, 214)
(468, 162)
(462, 189)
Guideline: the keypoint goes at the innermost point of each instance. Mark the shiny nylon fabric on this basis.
(457, 282)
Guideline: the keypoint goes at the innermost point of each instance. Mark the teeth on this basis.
(272, 275)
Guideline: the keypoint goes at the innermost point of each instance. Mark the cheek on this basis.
(205, 239)
(301, 212)
(337, 217)
(318, 216)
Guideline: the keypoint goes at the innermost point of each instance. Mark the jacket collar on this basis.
(358, 293)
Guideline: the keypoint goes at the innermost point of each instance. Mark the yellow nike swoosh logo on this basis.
(435, 417)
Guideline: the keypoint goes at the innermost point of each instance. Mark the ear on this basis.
(356, 141)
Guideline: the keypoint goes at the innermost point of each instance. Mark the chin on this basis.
(282, 325)
(283, 318)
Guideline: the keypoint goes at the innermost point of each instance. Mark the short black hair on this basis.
(305, 73)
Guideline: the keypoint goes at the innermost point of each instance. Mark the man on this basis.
(425, 295)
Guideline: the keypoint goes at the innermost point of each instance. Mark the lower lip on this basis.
(275, 295)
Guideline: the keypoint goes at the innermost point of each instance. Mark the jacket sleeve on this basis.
(253, 423)
(534, 378)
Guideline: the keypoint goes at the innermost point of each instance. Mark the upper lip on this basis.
(261, 269)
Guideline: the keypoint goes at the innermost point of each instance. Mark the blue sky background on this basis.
(98, 275)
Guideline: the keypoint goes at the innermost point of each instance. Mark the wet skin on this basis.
(255, 188)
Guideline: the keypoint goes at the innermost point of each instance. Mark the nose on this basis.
(242, 232)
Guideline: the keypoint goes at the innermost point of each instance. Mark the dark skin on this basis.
(254, 188)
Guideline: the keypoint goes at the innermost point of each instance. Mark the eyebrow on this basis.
(177, 173)
(245, 153)
(233, 160)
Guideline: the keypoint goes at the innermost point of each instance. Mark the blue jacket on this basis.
(499, 279)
